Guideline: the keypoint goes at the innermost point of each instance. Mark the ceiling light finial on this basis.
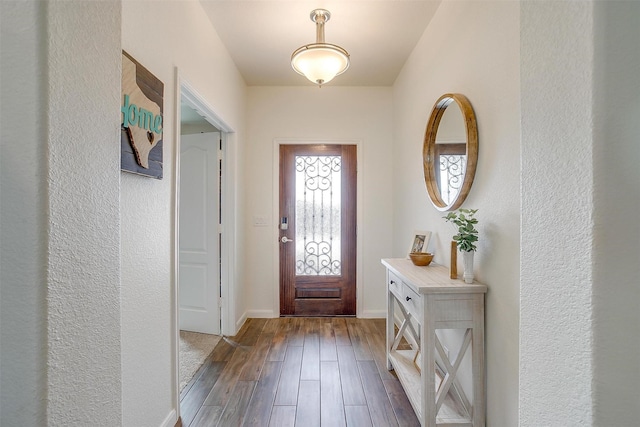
(320, 62)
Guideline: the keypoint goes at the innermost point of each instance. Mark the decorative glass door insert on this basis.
(318, 215)
(317, 230)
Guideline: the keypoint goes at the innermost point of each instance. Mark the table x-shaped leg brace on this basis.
(450, 374)
(406, 323)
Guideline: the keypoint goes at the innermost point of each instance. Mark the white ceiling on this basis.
(378, 34)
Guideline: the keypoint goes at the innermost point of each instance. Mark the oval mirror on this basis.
(450, 151)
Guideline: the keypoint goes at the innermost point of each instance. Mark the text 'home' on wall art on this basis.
(141, 127)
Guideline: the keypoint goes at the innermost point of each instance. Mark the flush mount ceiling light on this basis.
(320, 62)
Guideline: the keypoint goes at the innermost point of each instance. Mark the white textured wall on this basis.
(83, 294)
(309, 113)
(471, 48)
(557, 214)
(23, 226)
(162, 36)
(616, 203)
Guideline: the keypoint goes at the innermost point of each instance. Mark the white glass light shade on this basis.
(320, 62)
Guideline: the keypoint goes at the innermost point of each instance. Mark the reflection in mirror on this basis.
(450, 151)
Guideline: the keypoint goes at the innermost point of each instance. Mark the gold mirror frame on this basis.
(428, 150)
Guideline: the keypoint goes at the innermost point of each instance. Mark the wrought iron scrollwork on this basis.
(318, 215)
(452, 169)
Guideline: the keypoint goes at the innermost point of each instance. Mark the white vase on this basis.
(467, 262)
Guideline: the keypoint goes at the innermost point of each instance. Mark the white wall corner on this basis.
(84, 247)
(556, 275)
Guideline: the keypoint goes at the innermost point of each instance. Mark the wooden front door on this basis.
(318, 230)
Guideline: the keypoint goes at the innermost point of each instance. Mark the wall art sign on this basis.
(141, 126)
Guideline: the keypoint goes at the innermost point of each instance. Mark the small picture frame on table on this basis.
(419, 242)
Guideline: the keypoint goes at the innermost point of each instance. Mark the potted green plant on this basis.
(465, 221)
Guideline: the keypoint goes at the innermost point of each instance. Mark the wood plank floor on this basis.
(298, 372)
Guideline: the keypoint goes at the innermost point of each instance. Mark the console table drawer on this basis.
(412, 302)
(406, 296)
(395, 284)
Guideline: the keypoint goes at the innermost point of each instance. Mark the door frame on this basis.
(276, 212)
(186, 90)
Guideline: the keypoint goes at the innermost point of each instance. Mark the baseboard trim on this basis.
(373, 314)
(261, 314)
(171, 419)
(270, 314)
(241, 321)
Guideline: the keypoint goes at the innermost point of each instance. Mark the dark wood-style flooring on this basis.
(298, 372)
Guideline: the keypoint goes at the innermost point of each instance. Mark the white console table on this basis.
(428, 300)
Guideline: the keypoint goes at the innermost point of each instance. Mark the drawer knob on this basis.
(392, 282)
(408, 298)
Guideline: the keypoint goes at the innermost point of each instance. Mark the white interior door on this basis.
(199, 255)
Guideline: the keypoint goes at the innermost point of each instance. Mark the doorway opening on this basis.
(199, 227)
(203, 242)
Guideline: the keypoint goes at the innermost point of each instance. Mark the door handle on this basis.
(285, 239)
